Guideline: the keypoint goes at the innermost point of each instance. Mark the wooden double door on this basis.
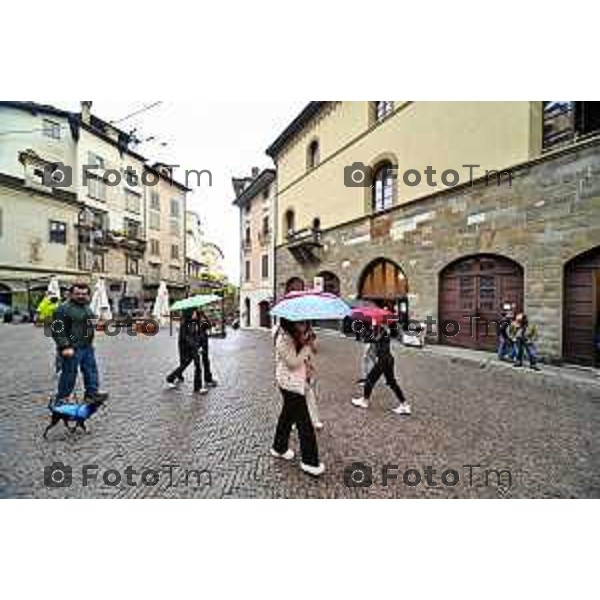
(581, 322)
(473, 292)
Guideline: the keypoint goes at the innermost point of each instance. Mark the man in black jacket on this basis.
(73, 332)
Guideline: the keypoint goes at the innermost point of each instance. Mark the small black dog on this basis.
(72, 412)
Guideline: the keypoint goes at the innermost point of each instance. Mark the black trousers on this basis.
(295, 410)
(206, 363)
(185, 359)
(383, 367)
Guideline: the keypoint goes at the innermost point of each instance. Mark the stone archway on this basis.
(295, 284)
(331, 282)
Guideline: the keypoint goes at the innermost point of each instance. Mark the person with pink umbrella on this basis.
(384, 364)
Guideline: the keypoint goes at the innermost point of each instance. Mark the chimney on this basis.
(255, 172)
(86, 111)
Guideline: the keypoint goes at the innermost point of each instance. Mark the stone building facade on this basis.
(464, 253)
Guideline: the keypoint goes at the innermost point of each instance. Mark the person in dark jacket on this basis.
(205, 326)
(192, 337)
(384, 365)
(505, 343)
(73, 329)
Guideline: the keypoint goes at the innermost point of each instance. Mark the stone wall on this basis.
(550, 214)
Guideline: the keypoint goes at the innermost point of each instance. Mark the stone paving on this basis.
(542, 428)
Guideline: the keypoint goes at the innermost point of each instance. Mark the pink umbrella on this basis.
(376, 314)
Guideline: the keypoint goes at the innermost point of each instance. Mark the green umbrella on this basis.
(195, 302)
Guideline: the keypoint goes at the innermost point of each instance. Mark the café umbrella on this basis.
(195, 302)
(310, 306)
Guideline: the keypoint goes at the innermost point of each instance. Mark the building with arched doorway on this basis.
(405, 217)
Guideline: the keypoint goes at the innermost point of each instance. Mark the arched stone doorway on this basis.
(581, 321)
(473, 292)
(331, 282)
(5, 295)
(247, 320)
(295, 284)
(384, 283)
(264, 315)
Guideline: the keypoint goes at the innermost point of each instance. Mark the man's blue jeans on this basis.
(84, 359)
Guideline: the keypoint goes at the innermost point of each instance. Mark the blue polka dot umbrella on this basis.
(310, 306)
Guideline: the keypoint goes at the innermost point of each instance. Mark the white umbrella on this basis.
(161, 304)
(100, 304)
(54, 287)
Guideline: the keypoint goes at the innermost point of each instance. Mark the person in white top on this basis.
(292, 351)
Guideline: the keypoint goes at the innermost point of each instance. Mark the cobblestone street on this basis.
(542, 429)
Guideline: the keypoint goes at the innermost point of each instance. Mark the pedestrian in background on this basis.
(525, 336)
(311, 377)
(190, 341)
(384, 365)
(505, 343)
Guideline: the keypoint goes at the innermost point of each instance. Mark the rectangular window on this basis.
(95, 160)
(132, 202)
(154, 221)
(265, 227)
(155, 247)
(175, 252)
(248, 237)
(175, 227)
(133, 229)
(97, 189)
(154, 201)
(97, 262)
(133, 265)
(51, 129)
(58, 232)
(265, 266)
(175, 208)
(247, 270)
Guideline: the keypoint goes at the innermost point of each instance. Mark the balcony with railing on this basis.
(305, 245)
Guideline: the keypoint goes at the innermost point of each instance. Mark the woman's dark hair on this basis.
(290, 328)
(524, 321)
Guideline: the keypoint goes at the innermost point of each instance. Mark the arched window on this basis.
(289, 222)
(312, 156)
(383, 108)
(383, 187)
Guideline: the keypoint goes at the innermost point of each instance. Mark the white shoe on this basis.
(172, 386)
(360, 402)
(402, 409)
(318, 425)
(202, 391)
(314, 471)
(287, 455)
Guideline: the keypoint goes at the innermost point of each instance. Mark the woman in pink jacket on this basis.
(292, 350)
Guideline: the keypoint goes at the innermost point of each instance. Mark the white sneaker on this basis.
(287, 455)
(360, 402)
(402, 409)
(314, 471)
(318, 425)
(171, 386)
(202, 391)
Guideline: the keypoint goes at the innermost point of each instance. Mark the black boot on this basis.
(96, 397)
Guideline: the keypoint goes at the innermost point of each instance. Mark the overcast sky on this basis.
(227, 138)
